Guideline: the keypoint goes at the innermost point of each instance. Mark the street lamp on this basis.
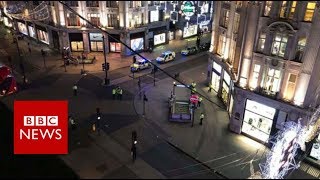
(106, 80)
(174, 88)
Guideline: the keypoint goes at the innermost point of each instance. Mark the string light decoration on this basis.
(39, 13)
(281, 158)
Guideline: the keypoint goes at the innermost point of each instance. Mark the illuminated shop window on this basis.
(272, 81)
(279, 45)
(290, 87)
(261, 42)
(300, 49)
(267, 8)
(309, 11)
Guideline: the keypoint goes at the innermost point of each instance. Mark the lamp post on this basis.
(106, 80)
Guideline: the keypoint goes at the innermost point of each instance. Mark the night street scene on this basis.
(160, 89)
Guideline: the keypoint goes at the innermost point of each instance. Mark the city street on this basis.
(165, 149)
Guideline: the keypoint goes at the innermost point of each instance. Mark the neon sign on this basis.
(188, 8)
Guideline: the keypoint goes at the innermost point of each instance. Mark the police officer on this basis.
(75, 90)
(120, 93)
(113, 93)
(199, 101)
(201, 118)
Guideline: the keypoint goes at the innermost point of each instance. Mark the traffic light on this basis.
(134, 138)
(104, 67)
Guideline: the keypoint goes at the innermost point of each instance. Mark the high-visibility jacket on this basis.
(201, 116)
(120, 91)
(200, 99)
(113, 91)
(193, 84)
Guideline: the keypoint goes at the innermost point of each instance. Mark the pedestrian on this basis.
(201, 118)
(113, 93)
(120, 94)
(75, 90)
(210, 88)
(72, 122)
(134, 59)
(133, 152)
(199, 101)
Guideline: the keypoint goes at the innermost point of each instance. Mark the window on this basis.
(113, 20)
(232, 51)
(95, 19)
(225, 18)
(236, 23)
(72, 3)
(279, 45)
(238, 4)
(221, 45)
(261, 42)
(135, 4)
(73, 20)
(300, 49)
(112, 4)
(255, 76)
(309, 11)
(272, 81)
(290, 87)
(92, 3)
(267, 8)
(287, 9)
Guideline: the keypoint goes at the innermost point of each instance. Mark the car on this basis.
(8, 86)
(140, 64)
(166, 57)
(204, 46)
(189, 51)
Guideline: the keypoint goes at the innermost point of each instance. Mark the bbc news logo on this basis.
(36, 133)
(40, 127)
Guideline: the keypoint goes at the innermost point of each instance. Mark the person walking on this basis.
(133, 152)
(75, 90)
(72, 122)
(201, 118)
(113, 93)
(199, 101)
(210, 88)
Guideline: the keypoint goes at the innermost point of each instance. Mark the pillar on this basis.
(229, 34)
(49, 31)
(86, 46)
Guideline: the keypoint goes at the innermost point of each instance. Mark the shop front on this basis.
(96, 42)
(76, 41)
(137, 41)
(215, 78)
(55, 38)
(42, 34)
(32, 32)
(22, 28)
(114, 45)
(159, 39)
(258, 120)
(190, 31)
(225, 87)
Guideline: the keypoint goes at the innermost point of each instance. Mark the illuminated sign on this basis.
(159, 38)
(188, 8)
(190, 31)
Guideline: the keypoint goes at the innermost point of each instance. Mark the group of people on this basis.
(117, 92)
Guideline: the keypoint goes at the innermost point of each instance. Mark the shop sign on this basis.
(260, 109)
(95, 37)
(159, 38)
(194, 99)
(188, 8)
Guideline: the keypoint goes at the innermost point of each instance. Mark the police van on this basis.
(166, 57)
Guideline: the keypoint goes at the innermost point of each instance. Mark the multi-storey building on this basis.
(264, 63)
(139, 24)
